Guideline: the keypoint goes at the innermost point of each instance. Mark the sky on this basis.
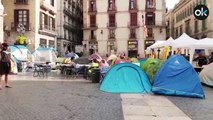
(171, 3)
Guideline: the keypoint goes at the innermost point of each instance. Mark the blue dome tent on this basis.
(20, 52)
(177, 77)
(126, 78)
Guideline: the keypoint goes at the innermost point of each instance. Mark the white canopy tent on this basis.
(156, 44)
(206, 44)
(168, 42)
(184, 41)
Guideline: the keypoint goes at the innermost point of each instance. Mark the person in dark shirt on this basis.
(202, 60)
(4, 65)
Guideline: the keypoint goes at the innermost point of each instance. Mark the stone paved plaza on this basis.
(61, 98)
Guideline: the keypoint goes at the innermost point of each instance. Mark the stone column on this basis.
(1, 23)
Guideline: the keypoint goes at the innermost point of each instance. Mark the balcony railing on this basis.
(92, 9)
(47, 27)
(21, 1)
(150, 36)
(111, 36)
(92, 37)
(68, 12)
(150, 5)
(112, 9)
(133, 25)
(156, 23)
(133, 8)
(132, 36)
(112, 25)
(69, 26)
(92, 25)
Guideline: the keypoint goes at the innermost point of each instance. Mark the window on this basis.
(132, 4)
(196, 26)
(51, 43)
(43, 42)
(21, 17)
(150, 18)
(133, 19)
(52, 23)
(111, 33)
(111, 20)
(44, 21)
(21, 1)
(204, 2)
(176, 32)
(132, 33)
(203, 25)
(111, 4)
(150, 3)
(93, 20)
(52, 2)
(92, 34)
(150, 32)
(181, 30)
(92, 6)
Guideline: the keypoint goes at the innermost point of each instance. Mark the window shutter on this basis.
(28, 20)
(15, 18)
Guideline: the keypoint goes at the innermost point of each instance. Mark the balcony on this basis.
(93, 39)
(69, 12)
(156, 24)
(150, 7)
(21, 2)
(90, 27)
(133, 9)
(112, 25)
(150, 36)
(112, 9)
(132, 36)
(69, 26)
(48, 7)
(133, 25)
(47, 30)
(111, 37)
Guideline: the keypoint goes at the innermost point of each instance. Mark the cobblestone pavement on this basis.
(196, 109)
(57, 100)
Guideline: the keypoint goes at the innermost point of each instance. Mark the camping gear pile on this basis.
(175, 77)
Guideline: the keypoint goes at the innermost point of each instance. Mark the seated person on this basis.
(104, 66)
(88, 71)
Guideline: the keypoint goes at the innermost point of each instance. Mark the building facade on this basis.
(69, 25)
(181, 20)
(38, 19)
(123, 25)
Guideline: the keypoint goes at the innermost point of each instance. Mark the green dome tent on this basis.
(151, 67)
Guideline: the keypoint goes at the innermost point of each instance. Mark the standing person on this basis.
(4, 65)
